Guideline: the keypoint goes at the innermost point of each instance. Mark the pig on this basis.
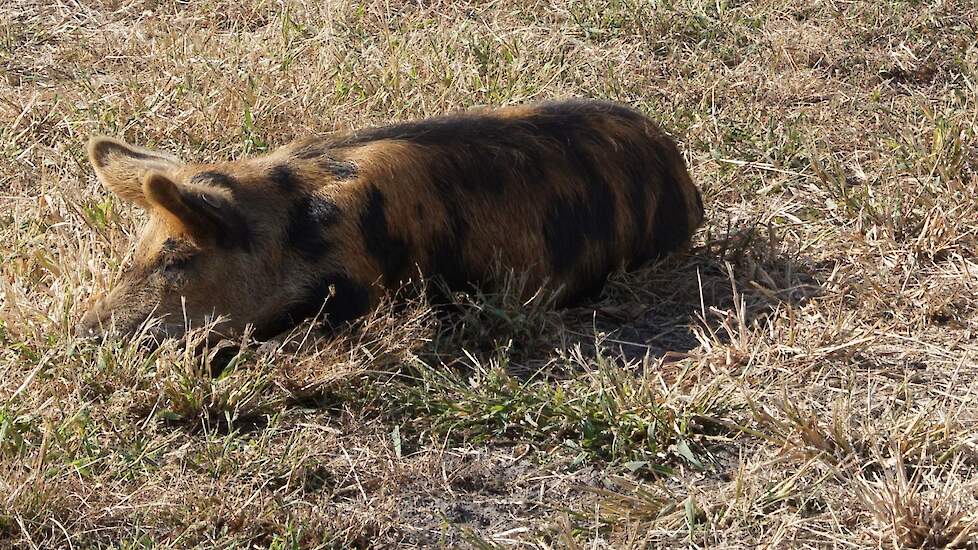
(563, 192)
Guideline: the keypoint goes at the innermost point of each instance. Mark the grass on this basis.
(805, 376)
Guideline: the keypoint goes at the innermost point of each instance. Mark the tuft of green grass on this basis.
(606, 412)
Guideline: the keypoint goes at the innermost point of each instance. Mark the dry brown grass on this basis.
(805, 377)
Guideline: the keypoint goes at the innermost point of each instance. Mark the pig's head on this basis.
(196, 259)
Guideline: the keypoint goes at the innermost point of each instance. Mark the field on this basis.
(805, 376)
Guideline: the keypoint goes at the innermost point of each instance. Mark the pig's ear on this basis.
(123, 168)
(185, 211)
(205, 217)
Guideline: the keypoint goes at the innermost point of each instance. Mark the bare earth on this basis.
(804, 377)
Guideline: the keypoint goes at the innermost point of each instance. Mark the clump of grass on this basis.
(379, 346)
(916, 515)
(609, 411)
(204, 386)
(911, 507)
(508, 315)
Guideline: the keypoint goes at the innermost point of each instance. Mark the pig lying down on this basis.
(566, 192)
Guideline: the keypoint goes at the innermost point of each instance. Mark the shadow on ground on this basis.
(655, 311)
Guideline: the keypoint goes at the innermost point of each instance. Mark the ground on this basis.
(804, 376)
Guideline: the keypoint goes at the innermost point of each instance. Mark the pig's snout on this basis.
(91, 323)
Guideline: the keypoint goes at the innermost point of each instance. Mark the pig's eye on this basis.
(174, 267)
(210, 201)
(177, 263)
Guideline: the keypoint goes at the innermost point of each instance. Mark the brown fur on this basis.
(566, 192)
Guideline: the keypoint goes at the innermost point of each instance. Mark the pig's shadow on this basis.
(655, 311)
